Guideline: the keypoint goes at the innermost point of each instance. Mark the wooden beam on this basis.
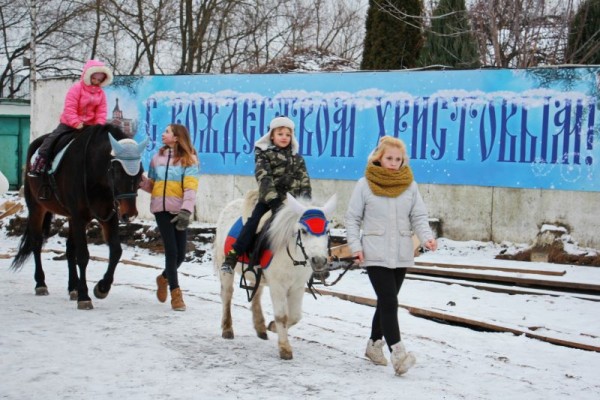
(476, 324)
(478, 267)
(515, 280)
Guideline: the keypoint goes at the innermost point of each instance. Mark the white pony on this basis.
(298, 239)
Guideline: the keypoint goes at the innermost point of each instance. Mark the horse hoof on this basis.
(85, 305)
(73, 294)
(262, 335)
(41, 291)
(272, 326)
(99, 294)
(227, 334)
(285, 354)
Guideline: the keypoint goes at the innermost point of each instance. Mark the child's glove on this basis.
(275, 204)
(182, 220)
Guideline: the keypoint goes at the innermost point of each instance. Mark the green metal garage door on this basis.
(14, 139)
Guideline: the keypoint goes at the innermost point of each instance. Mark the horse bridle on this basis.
(111, 179)
(301, 245)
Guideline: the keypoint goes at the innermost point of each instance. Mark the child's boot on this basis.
(230, 262)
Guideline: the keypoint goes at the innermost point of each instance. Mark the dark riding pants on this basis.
(175, 242)
(386, 283)
(246, 238)
(47, 145)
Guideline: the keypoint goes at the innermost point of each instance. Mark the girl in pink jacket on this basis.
(85, 104)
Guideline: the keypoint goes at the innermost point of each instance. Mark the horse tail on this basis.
(28, 243)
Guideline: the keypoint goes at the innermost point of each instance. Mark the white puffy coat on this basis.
(387, 224)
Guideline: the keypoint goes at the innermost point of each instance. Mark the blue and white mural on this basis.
(512, 128)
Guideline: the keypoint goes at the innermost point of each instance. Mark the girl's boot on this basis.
(162, 285)
(401, 360)
(374, 352)
(177, 303)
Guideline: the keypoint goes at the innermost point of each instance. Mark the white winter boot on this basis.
(401, 360)
(374, 352)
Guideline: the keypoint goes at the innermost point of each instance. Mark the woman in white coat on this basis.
(387, 205)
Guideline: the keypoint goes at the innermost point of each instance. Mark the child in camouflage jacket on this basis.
(278, 169)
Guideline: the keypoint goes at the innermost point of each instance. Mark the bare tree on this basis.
(171, 36)
(521, 33)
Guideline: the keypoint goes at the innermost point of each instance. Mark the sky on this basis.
(130, 346)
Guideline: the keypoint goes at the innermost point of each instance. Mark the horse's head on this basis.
(125, 173)
(310, 228)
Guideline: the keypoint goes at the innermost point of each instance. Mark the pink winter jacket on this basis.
(84, 102)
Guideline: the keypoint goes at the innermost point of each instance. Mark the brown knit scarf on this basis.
(388, 183)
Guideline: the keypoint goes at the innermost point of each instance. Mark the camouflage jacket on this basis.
(279, 171)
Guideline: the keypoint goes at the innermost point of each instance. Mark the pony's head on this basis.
(125, 173)
(304, 230)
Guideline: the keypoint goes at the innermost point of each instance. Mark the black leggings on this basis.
(246, 237)
(175, 242)
(47, 145)
(386, 283)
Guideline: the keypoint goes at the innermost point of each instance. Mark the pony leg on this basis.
(226, 296)
(72, 265)
(295, 305)
(110, 230)
(280, 325)
(257, 315)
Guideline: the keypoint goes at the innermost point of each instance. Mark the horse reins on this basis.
(301, 245)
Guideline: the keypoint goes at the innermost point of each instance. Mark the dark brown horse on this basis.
(97, 178)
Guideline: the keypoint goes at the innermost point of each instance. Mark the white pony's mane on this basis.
(283, 226)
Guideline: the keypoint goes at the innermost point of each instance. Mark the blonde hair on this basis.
(183, 149)
(386, 142)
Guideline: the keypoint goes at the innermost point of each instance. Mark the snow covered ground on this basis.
(133, 347)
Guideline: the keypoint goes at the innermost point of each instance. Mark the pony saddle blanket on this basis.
(262, 259)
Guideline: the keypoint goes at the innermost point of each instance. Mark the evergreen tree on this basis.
(393, 35)
(449, 42)
(584, 34)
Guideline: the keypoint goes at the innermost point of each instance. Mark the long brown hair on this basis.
(183, 149)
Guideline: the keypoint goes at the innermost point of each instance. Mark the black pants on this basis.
(175, 242)
(246, 238)
(386, 283)
(48, 144)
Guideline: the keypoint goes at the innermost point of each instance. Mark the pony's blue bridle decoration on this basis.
(315, 222)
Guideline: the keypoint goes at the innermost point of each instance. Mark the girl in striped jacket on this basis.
(173, 182)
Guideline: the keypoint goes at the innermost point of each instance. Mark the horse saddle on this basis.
(57, 152)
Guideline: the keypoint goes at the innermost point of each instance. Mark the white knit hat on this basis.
(279, 122)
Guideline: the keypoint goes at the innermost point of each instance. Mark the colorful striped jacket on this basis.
(172, 186)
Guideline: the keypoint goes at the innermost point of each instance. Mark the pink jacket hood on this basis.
(93, 66)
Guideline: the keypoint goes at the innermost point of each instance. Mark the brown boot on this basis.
(162, 284)
(177, 303)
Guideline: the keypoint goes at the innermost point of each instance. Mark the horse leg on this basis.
(257, 315)
(35, 226)
(84, 302)
(280, 325)
(110, 230)
(72, 264)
